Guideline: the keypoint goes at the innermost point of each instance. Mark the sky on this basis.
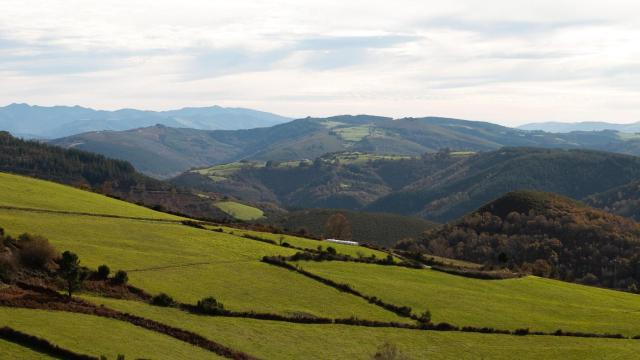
(505, 61)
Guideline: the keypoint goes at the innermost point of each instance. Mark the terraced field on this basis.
(278, 340)
(97, 336)
(304, 243)
(163, 255)
(9, 350)
(530, 302)
(20, 191)
(240, 211)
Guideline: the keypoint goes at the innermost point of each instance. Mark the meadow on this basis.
(21, 191)
(184, 262)
(9, 350)
(305, 243)
(528, 302)
(280, 340)
(240, 211)
(97, 336)
(190, 263)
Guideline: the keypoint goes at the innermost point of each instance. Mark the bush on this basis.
(35, 251)
(425, 317)
(121, 277)
(389, 351)
(7, 266)
(103, 272)
(210, 305)
(331, 250)
(162, 299)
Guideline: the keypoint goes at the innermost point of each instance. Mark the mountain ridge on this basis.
(59, 121)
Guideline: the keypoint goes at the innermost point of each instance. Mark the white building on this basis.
(344, 242)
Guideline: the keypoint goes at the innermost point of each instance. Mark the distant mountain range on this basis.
(59, 121)
(561, 127)
(163, 152)
(438, 187)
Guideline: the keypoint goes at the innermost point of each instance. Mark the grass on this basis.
(309, 243)
(193, 263)
(357, 133)
(240, 211)
(223, 171)
(9, 350)
(279, 340)
(20, 191)
(97, 336)
(530, 302)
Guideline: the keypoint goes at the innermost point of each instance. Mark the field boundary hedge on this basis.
(40, 345)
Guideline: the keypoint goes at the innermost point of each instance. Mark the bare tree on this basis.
(338, 227)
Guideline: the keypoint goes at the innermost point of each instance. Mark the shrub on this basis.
(331, 250)
(35, 251)
(388, 351)
(162, 299)
(121, 277)
(521, 332)
(103, 272)
(210, 305)
(7, 266)
(425, 317)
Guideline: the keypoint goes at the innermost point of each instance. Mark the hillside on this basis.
(90, 171)
(561, 127)
(438, 187)
(57, 121)
(478, 179)
(190, 263)
(547, 235)
(623, 200)
(373, 228)
(164, 151)
(263, 320)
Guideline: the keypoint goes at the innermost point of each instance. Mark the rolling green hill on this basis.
(90, 171)
(438, 187)
(164, 151)
(189, 263)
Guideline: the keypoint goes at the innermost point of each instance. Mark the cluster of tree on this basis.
(546, 235)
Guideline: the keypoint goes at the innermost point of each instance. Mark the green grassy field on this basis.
(189, 263)
(357, 133)
(9, 350)
(222, 171)
(530, 302)
(308, 243)
(279, 340)
(97, 336)
(240, 211)
(20, 191)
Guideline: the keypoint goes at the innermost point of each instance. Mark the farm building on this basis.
(344, 242)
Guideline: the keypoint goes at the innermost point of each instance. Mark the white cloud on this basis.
(505, 61)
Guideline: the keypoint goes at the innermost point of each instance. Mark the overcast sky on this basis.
(510, 61)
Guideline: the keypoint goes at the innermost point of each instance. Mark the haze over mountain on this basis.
(58, 121)
(165, 151)
(563, 127)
